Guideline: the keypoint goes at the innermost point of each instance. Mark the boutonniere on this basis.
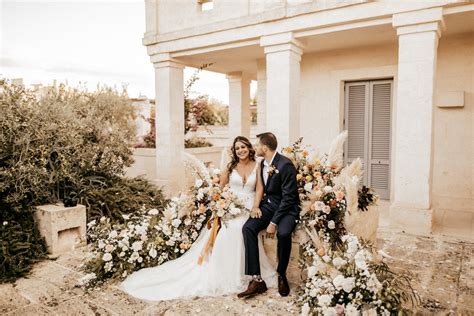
(271, 170)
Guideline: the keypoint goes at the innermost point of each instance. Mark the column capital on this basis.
(165, 60)
(281, 42)
(237, 76)
(427, 20)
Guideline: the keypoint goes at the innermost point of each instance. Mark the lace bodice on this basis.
(245, 191)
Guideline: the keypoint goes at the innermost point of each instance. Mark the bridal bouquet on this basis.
(222, 204)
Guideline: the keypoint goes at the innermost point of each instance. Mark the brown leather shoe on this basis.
(283, 287)
(254, 288)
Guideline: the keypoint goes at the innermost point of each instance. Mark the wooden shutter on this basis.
(357, 116)
(368, 121)
(379, 137)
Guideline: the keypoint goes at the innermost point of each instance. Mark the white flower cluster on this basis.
(340, 282)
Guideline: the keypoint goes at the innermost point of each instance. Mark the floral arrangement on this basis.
(349, 281)
(344, 277)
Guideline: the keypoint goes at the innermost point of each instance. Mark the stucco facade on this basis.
(303, 55)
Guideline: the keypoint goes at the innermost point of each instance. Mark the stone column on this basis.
(261, 96)
(283, 55)
(418, 34)
(239, 105)
(169, 116)
(151, 17)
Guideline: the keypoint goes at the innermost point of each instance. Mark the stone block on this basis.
(293, 271)
(62, 227)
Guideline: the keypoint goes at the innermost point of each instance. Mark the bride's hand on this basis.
(255, 212)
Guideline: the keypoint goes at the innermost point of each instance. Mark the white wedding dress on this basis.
(224, 271)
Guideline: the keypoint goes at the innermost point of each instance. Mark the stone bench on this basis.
(63, 228)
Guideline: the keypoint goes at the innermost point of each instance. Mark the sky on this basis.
(84, 41)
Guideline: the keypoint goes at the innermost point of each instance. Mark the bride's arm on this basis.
(256, 212)
(224, 178)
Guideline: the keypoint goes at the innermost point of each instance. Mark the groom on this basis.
(278, 213)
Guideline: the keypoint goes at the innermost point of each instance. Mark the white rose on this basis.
(327, 189)
(153, 253)
(220, 213)
(326, 258)
(198, 183)
(326, 209)
(234, 210)
(338, 262)
(348, 284)
(113, 234)
(188, 221)
(176, 222)
(109, 248)
(319, 205)
(101, 244)
(351, 310)
(324, 300)
(338, 281)
(305, 309)
(137, 245)
(312, 271)
(308, 186)
(331, 225)
(153, 211)
(107, 257)
(133, 257)
(140, 259)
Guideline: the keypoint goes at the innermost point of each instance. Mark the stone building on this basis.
(397, 74)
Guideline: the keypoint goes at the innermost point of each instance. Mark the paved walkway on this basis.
(442, 270)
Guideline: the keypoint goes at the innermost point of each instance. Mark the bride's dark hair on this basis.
(234, 159)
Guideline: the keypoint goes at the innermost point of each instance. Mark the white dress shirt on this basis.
(265, 168)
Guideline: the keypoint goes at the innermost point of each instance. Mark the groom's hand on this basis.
(255, 212)
(271, 230)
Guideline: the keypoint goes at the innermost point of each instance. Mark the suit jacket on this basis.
(281, 191)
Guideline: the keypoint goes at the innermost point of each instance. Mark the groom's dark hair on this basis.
(268, 139)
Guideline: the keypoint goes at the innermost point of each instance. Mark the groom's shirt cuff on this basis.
(273, 223)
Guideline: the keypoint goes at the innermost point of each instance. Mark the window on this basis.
(368, 107)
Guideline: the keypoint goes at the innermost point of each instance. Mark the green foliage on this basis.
(20, 245)
(196, 142)
(366, 197)
(116, 196)
(70, 142)
(49, 145)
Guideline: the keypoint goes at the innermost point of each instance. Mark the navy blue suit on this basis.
(280, 205)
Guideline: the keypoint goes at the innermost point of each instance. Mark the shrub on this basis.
(70, 142)
(49, 145)
(20, 245)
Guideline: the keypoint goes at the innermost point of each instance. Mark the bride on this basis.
(224, 271)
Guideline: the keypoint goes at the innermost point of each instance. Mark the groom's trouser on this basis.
(250, 232)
